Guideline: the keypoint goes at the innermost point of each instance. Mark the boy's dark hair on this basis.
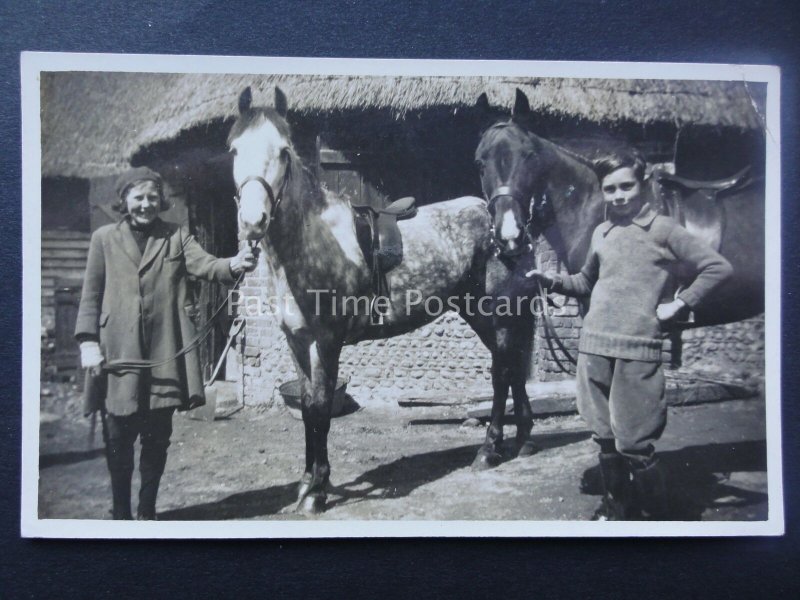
(621, 159)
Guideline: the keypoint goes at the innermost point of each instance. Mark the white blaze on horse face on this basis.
(258, 154)
(509, 230)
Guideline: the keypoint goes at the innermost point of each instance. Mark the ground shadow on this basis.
(244, 505)
(697, 478)
(393, 480)
(399, 478)
(68, 458)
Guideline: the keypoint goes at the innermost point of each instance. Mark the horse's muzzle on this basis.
(254, 231)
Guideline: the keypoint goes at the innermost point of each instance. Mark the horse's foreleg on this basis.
(299, 345)
(489, 454)
(521, 351)
(317, 420)
(524, 419)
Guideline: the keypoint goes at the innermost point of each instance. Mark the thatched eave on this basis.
(93, 123)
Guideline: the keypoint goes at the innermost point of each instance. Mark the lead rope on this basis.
(550, 333)
(138, 363)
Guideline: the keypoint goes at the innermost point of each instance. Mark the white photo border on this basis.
(34, 63)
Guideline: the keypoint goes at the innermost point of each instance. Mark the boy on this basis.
(619, 375)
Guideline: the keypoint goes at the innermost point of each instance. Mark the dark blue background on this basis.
(693, 31)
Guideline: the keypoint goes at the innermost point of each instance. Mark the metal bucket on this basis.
(290, 391)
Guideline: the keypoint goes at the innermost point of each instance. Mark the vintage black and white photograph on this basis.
(296, 298)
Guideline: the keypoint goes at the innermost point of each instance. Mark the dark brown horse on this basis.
(535, 186)
(314, 262)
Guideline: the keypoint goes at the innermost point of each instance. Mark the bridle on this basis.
(274, 199)
(504, 191)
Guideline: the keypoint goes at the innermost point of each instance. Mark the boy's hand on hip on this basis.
(546, 279)
(668, 310)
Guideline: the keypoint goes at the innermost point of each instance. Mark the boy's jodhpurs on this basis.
(623, 402)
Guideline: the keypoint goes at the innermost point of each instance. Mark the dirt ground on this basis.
(399, 463)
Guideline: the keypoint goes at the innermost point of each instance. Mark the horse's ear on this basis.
(245, 100)
(486, 115)
(281, 104)
(482, 103)
(522, 108)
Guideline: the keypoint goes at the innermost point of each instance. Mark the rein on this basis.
(550, 335)
(540, 209)
(141, 363)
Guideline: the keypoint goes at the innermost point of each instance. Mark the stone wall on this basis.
(736, 349)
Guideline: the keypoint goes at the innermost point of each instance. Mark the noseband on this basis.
(274, 200)
(503, 191)
(540, 212)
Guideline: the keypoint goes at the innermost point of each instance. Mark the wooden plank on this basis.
(54, 267)
(64, 273)
(66, 244)
(63, 253)
(65, 234)
(329, 157)
(678, 394)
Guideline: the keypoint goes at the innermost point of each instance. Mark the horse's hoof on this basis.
(528, 448)
(486, 459)
(303, 487)
(313, 504)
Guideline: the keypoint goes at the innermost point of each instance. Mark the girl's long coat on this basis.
(138, 306)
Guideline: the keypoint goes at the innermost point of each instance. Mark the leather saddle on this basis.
(694, 204)
(381, 241)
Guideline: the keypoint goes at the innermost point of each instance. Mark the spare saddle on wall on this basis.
(381, 241)
(694, 204)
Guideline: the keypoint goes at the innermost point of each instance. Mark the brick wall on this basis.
(446, 355)
(441, 356)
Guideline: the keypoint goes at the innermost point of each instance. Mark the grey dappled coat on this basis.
(139, 306)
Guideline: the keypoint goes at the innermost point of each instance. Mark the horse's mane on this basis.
(306, 174)
(502, 125)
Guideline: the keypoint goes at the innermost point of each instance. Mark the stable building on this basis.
(373, 138)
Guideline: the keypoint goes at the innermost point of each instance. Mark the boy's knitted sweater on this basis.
(626, 272)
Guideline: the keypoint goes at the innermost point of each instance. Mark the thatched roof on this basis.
(92, 123)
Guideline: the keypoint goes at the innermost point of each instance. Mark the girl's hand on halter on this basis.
(244, 261)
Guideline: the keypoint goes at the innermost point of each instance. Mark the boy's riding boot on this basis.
(651, 490)
(151, 466)
(617, 492)
(119, 456)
